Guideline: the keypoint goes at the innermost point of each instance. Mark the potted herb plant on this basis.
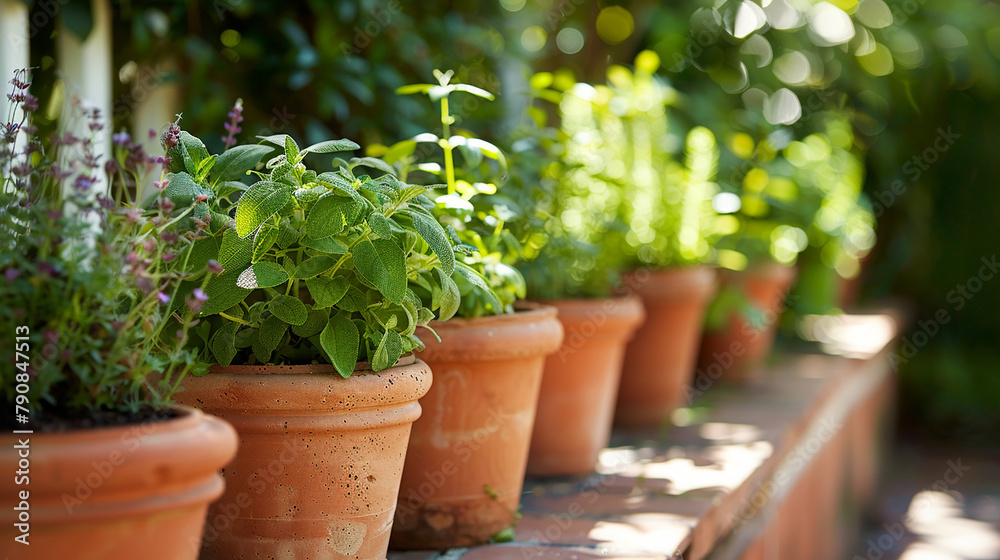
(103, 465)
(311, 325)
(466, 462)
(567, 264)
(806, 195)
(662, 200)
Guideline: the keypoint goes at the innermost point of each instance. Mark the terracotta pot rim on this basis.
(532, 330)
(524, 312)
(673, 283)
(188, 416)
(186, 451)
(764, 269)
(298, 369)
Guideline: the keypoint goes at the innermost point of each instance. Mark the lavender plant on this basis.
(85, 307)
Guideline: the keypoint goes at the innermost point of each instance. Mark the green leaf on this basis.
(236, 251)
(289, 309)
(332, 146)
(390, 348)
(380, 225)
(233, 164)
(229, 187)
(223, 343)
(353, 300)
(373, 163)
(261, 201)
(340, 341)
(264, 274)
(330, 215)
(204, 250)
(182, 190)
(450, 298)
(314, 266)
(431, 232)
(414, 88)
(478, 92)
(269, 337)
(478, 282)
(327, 292)
(383, 264)
(276, 139)
(314, 323)
(291, 149)
(287, 235)
(324, 245)
(264, 241)
(222, 293)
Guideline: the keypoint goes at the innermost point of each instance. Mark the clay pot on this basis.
(736, 352)
(132, 491)
(660, 358)
(319, 462)
(577, 400)
(465, 466)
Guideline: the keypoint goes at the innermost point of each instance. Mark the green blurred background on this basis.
(319, 69)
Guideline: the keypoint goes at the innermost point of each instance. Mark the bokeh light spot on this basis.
(533, 38)
(615, 24)
(569, 40)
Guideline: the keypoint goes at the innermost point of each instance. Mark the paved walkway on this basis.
(940, 504)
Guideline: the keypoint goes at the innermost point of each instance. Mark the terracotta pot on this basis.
(736, 352)
(133, 491)
(577, 400)
(465, 467)
(660, 358)
(319, 462)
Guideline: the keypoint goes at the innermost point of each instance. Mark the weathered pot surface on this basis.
(465, 466)
(320, 458)
(130, 491)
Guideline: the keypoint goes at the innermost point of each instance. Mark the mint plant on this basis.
(466, 202)
(333, 267)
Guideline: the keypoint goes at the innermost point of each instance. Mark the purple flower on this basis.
(149, 245)
(121, 138)
(83, 183)
(200, 294)
(214, 267)
(164, 298)
(233, 126)
(161, 184)
(12, 274)
(167, 257)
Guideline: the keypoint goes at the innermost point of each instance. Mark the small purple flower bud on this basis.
(167, 257)
(11, 274)
(214, 267)
(164, 298)
(121, 138)
(200, 294)
(149, 245)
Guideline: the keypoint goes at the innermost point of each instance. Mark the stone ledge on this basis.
(731, 479)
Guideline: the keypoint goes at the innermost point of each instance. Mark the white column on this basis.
(154, 102)
(14, 43)
(86, 70)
